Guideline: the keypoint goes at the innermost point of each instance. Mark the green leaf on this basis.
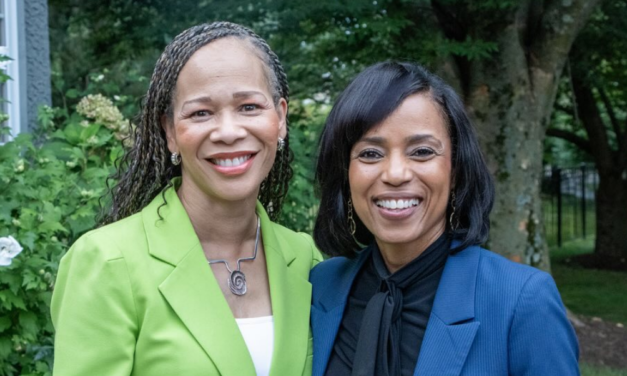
(73, 133)
(28, 321)
(72, 93)
(6, 347)
(90, 131)
(5, 323)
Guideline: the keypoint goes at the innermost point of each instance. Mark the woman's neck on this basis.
(397, 255)
(223, 226)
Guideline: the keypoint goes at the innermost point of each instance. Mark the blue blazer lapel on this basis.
(326, 316)
(451, 329)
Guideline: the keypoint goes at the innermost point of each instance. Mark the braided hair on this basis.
(145, 169)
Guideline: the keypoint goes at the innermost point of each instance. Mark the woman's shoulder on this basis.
(298, 243)
(334, 269)
(499, 277)
(333, 266)
(109, 241)
(498, 266)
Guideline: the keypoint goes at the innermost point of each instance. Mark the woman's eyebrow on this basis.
(247, 94)
(201, 100)
(373, 140)
(417, 138)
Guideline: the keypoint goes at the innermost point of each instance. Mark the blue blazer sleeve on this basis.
(542, 340)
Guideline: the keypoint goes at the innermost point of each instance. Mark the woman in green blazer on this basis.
(190, 276)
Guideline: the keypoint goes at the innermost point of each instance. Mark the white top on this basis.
(258, 333)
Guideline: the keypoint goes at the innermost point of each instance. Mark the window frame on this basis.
(13, 96)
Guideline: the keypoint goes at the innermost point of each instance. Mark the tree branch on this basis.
(578, 141)
(593, 123)
(560, 25)
(610, 112)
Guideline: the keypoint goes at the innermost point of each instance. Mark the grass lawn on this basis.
(590, 292)
(588, 370)
(587, 291)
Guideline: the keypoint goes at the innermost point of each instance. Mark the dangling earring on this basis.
(352, 227)
(175, 158)
(281, 145)
(455, 224)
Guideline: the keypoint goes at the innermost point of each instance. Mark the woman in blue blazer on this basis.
(400, 171)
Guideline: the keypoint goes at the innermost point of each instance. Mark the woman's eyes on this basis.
(423, 152)
(370, 154)
(249, 107)
(201, 114)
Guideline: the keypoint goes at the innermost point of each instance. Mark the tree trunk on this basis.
(510, 119)
(510, 98)
(611, 206)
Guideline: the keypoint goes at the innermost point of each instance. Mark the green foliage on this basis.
(588, 291)
(597, 61)
(50, 182)
(301, 205)
(468, 48)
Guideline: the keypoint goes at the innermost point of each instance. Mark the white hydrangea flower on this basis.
(9, 248)
(101, 109)
(19, 166)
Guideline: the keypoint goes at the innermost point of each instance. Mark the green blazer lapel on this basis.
(191, 288)
(291, 302)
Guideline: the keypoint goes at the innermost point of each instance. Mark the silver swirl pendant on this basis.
(237, 283)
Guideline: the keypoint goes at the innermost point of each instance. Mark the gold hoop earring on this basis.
(452, 223)
(352, 227)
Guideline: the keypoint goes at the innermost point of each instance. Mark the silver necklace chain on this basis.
(237, 279)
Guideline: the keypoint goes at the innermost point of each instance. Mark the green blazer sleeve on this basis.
(93, 312)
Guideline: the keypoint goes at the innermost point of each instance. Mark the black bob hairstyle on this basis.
(368, 100)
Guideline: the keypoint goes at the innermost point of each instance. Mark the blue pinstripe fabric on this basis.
(490, 317)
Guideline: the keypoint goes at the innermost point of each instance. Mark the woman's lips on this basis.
(396, 209)
(232, 164)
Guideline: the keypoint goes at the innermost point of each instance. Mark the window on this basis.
(9, 91)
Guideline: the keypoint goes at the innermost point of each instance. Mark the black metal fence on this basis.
(568, 203)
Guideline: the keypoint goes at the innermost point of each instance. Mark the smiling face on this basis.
(400, 176)
(224, 123)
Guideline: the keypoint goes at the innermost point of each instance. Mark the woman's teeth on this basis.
(231, 162)
(397, 204)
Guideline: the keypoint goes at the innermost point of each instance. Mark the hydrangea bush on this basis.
(50, 184)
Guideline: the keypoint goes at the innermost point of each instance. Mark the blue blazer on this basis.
(490, 316)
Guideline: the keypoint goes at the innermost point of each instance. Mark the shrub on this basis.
(301, 204)
(50, 183)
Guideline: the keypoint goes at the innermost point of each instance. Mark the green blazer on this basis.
(137, 297)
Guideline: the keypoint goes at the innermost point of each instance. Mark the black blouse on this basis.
(386, 315)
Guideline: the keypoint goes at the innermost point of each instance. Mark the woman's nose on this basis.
(396, 171)
(227, 129)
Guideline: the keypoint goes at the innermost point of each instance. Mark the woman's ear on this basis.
(170, 135)
(281, 109)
